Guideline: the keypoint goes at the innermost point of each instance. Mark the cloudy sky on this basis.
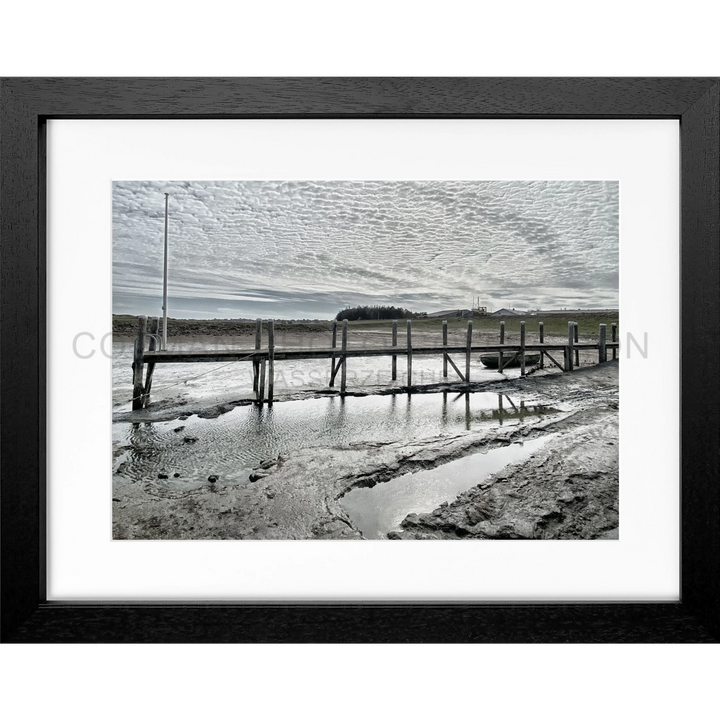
(306, 249)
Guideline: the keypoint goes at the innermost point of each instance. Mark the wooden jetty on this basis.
(264, 359)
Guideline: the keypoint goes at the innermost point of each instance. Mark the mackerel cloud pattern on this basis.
(306, 249)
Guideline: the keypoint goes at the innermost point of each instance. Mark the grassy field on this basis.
(127, 325)
(588, 324)
(553, 324)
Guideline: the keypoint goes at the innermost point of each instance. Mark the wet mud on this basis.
(567, 489)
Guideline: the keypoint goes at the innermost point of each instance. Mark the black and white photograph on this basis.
(146, 422)
(365, 360)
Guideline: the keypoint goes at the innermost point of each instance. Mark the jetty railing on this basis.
(263, 359)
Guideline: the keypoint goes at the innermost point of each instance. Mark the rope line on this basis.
(187, 380)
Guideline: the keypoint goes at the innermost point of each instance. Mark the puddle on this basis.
(231, 445)
(377, 510)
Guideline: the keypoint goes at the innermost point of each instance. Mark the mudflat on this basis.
(566, 490)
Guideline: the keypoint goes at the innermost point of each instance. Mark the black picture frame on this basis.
(25, 106)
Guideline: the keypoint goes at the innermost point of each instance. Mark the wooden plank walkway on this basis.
(188, 356)
(264, 359)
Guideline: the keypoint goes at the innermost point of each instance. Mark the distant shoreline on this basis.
(554, 323)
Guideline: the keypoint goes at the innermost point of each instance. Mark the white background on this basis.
(85, 156)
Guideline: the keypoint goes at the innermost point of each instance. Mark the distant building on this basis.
(451, 314)
(502, 312)
(577, 311)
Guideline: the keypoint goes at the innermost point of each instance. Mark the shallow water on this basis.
(377, 510)
(231, 445)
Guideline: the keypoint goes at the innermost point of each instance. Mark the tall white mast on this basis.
(165, 278)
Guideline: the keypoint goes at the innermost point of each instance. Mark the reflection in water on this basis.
(377, 510)
(234, 443)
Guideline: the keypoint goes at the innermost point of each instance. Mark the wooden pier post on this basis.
(445, 342)
(614, 338)
(542, 340)
(502, 342)
(271, 360)
(343, 360)
(409, 354)
(522, 348)
(153, 332)
(394, 344)
(261, 384)
(256, 363)
(602, 348)
(333, 362)
(577, 352)
(569, 348)
(137, 366)
(467, 351)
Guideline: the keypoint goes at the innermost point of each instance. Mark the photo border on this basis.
(25, 106)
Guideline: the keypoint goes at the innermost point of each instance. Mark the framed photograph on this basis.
(260, 335)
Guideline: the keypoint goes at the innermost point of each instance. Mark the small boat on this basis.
(491, 360)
